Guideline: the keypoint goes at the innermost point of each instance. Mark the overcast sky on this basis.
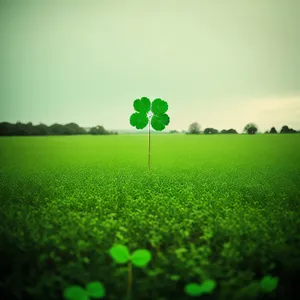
(220, 63)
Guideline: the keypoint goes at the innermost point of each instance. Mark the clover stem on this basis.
(149, 146)
(129, 287)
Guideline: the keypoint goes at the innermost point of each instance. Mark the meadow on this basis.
(220, 207)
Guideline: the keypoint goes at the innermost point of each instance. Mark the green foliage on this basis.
(142, 106)
(249, 291)
(174, 131)
(76, 293)
(286, 129)
(208, 286)
(251, 128)
(95, 289)
(20, 129)
(273, 130)
(194, 128)
(210, 131)
(195, 289)
(208, 210)
(229, 131)
(174, 277)
(269, 283)
(98, 130)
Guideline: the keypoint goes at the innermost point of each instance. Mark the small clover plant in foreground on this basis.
(139, 258)
(196, 289)
(145, 110)
(93, 290)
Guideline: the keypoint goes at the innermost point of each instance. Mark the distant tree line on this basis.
(250, 128)
(194, 128)
(284, 129)
(28, 129)
(174, 131)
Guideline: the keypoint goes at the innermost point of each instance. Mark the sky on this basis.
(220, 63)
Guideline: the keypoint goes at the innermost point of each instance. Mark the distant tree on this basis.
(42, 129)
(273, 130)
(6, 129)
(113, 132)
(286, 129)
(20, 129)
(266, 132)
(210, 131)
(68, 129)
(173, 131)
(194, 128)
(98, 130)
(73, 128)
(57, 129)
(30, 129)
(250, 128)
(229, 131)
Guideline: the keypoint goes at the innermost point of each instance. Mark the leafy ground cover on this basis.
(221, 211)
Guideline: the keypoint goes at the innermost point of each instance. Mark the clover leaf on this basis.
(159, 106)
(269, 283)
(193, 289)
(142, 105)
(141, 257)
(76, 292)
(120, 254)
(208, 286)
(174, 277)
(95, 289)
(139, 120)
(159, 122)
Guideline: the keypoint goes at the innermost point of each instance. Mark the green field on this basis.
(221, 207)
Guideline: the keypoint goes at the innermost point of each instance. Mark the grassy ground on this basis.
(213, 207)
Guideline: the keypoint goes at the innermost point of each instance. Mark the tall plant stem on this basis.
(129, 286)
(149, 146)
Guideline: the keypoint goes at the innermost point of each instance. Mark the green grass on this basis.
(223, 207)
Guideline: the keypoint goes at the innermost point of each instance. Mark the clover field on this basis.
(221, 207)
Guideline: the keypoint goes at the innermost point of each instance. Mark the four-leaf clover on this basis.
(143, 106)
